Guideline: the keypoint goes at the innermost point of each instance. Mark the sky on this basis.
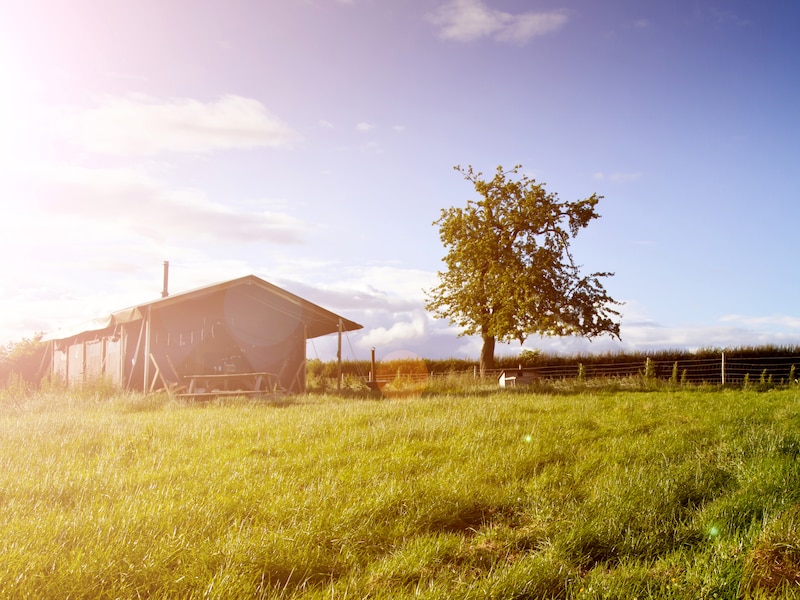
(312, 143)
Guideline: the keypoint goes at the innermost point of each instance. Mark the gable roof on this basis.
(318, 321)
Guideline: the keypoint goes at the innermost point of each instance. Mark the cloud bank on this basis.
(145, 126)
(129, 199)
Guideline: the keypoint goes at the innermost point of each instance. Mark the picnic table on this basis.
(230, 384)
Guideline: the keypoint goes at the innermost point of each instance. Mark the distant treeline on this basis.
(704, 365)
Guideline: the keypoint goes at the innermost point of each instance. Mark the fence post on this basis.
(723, 368)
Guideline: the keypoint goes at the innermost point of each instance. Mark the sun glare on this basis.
(17, 102)
(10, 112)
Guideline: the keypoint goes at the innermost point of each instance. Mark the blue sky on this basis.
(312, 143)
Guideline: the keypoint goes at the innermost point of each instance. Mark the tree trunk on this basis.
(487, 354)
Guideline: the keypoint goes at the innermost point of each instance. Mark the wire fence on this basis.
(723, 370)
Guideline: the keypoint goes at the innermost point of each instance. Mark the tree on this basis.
(23, 359)
(510, 272)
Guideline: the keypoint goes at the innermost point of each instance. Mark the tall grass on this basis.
(666, 494)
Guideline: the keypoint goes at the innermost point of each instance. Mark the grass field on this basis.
(599, 494)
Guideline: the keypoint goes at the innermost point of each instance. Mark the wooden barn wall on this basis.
(75, 356)
(89, 357)
(234, 330)
(59, 363)
(93, 360)
(112, 366)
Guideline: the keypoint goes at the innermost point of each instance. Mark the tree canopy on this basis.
(510, 271)
(23, 359)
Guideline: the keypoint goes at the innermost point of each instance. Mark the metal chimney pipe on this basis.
(165, 291)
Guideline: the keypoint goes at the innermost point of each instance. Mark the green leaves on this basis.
(510, 272)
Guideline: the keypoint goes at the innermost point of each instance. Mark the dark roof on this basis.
(318, 321)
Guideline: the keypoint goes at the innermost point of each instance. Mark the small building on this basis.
(199, 341)
(516, 377)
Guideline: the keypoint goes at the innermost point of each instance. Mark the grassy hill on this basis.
(686, 493)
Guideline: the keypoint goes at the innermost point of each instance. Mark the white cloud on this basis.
(373, 288)
(364, 127)
(413, 328)
(781, 322)
(519, 29)
(468, 20)
(386, 299)
(145, 126)
(129, 199)
(371, 148)
(722, 18)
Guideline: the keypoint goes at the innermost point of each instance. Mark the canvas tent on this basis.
(245, 325)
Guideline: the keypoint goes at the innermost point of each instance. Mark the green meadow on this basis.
(672, 493)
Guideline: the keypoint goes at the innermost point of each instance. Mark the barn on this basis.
(245, 334)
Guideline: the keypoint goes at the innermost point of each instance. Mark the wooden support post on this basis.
(147, 333)
(339, 358)
(723, 368)
(135, 354)
(47, 357)
(158, 375)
